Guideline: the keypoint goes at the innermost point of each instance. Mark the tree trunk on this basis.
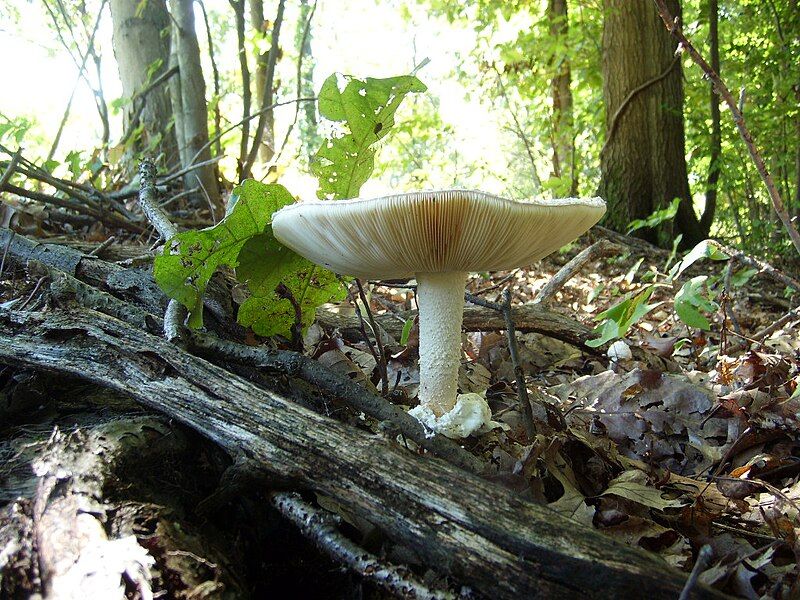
(192, 110)
(139, 43)
(643, 162)
(563, 121)
(266, 148)
(309, 136)
(716, 131)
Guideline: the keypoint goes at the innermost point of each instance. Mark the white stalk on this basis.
(441, 308)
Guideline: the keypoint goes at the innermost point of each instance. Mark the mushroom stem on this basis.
(441, 308)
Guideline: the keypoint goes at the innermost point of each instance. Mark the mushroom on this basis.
(437, 237)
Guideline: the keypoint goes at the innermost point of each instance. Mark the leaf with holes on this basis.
(264, 264)
(366, 109)
(189, 260)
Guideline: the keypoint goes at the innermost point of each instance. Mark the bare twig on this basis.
(513, 350)
(568, 271)
(246, 119)
(148, 200)
(497, 284)
(381, 357)
(300, 57)
(319, 526)
(673, 26)
(762, 334)
(612, 127)
(11, 168)
(102, 246)
(762, 266)
(519, 130)
(703, 561)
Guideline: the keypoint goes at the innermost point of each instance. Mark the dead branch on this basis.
(527, 318)
(674, 27)
(568, 271)
(320, 527)
(499, 544)
(504, 309)
(66, 289)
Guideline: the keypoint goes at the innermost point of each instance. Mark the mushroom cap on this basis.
(397, 236)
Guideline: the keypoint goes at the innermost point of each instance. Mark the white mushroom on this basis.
(438, 237)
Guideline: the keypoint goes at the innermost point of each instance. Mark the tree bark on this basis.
(192, 110)
(714, 168)
(563, 120)
(139, 42)
(80, 524)
(643, 162)
(486, 536)
(260, 24)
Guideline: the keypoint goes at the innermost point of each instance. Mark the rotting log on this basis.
(81, 532)
(503, 546)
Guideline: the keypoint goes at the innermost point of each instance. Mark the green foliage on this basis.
(265, 264)
(191, 258)
(366, 108)
(689, 299)
(620, 317)
(657, 218)
(284, 287)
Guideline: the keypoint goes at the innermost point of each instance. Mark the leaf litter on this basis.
(689, 447)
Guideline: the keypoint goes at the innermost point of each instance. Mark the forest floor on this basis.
(690, 442)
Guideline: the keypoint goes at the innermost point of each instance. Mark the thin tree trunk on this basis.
(193, 102)
(139, 43)
(259, 23)
(309, 137)
(265, 129)
(563, 120)
(643, 162)
(716, 131)
(244, 68)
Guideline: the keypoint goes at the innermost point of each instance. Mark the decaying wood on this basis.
(66, 289)
(319, 526)
(484, 535)
(68, 539)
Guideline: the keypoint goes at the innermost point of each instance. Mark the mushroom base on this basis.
(471, 414)
(441, 308)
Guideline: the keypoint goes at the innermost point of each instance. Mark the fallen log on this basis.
(458, 523)
(82, 532)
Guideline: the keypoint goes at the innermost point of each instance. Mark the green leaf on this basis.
(406, 332)
(690, 300)
(620, 317)
(702, 250)
(366, 108)
(190, 258)
(264, 264)
(658, 217)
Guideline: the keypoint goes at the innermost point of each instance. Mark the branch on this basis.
(674, 28)
(612, 128)
(568, 271)
(148, 200)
